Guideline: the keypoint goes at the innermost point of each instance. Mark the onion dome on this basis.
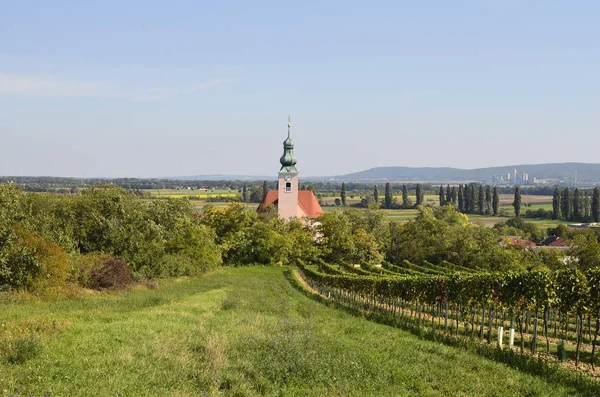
(288, 160)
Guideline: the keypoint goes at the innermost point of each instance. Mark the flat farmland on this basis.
(192, 194)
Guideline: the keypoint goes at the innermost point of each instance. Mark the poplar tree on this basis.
(467, 199)
(343, 194)
(495, 201)
(472, 199)
(265, 189)
(556, 204)
(245, 193)
(404, 196)
(481, 200)
(442, 195)
(576, 205)
(461, 201)
(488, 200)
(454, 196)
(596, 204)
(375, 194)
(565, 203)
(420, 195)
(585, 206)
(517, 201)
(388, 196)
(448, 195)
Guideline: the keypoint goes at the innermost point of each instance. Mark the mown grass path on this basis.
(238, 332)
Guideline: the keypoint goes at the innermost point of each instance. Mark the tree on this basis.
(343, 194)
(495, 201)
(405, 202)
(420, 195)
(461, 201)
(265, 188)
(488, 200)
(565, 203)
(517, 201)
(256, 194)
(556, 204)
(245, 193)
(576, 205)
(472, 199)
(586, 205)
(596, 204)
(389, 198)
(375, 194)
(448, 195)
(481, 200)
(442, 196)
(454, 198)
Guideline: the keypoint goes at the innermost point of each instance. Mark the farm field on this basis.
(239, 331)
(192, 194)
(528, 202)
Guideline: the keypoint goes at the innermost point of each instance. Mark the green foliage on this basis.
(517, 201)
(495, 201)
(345, 236)
(389, 197)
(405, 199)
(419, 195)
(596, 204)
(565, 204)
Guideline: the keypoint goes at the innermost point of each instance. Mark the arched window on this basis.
(288, 186)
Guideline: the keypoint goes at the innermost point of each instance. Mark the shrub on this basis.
(82, 265)
(173, 265)
(32, 262)
(111, 274)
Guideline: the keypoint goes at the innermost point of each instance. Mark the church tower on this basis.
(289, 201)
(287, 205)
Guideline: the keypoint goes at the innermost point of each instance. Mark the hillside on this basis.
(240, 331)
(568, 172)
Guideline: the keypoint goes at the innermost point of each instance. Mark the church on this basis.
(288, 199)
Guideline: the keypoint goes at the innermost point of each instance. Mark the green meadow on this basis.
(236, 332)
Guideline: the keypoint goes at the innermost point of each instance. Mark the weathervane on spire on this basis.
(289, 124)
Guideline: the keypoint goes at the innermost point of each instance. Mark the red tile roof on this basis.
(306, 200)
(270, 198)
(309, 203)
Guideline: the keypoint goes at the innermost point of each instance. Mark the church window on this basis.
(288, 186)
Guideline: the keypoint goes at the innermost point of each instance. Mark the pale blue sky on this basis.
(138, 88)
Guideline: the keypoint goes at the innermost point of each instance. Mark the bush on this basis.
(32, 262)
(113, 274)
(174, 265)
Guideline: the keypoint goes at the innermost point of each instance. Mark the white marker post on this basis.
(511, 338)
(500, 335)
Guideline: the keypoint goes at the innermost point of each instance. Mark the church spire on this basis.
(288, 161)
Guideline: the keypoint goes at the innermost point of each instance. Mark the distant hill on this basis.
(566, 172)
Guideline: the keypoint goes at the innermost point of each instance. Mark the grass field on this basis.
(238, 332)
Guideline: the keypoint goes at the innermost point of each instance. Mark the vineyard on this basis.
(554, 316)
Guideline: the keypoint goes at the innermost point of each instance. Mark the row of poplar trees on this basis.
(471, 199)
(576, 205)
